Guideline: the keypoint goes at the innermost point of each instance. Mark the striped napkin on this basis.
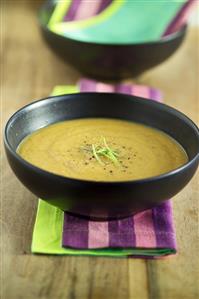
(149, 234)
(80, 14)
(80, 10)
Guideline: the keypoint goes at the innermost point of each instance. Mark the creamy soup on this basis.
(102, 149)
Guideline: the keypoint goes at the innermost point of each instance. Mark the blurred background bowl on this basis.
(109, 61)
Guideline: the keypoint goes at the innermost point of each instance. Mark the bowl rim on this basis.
(36, 104)
(164, 39)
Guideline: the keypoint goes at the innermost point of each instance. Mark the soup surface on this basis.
(102, 149)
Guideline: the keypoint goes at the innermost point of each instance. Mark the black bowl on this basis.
(101, 199)
(109, 61)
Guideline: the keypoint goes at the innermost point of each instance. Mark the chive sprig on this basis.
(104, 151)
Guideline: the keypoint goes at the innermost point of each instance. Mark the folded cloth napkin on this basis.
(80, 10)
(149, 234)
(123, 21)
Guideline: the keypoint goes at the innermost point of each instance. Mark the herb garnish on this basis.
(104, 151)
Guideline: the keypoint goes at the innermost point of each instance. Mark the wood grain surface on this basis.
(29, 71)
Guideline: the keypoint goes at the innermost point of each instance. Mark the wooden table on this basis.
(30, 70)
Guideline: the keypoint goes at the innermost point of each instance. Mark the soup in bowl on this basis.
(102, 155)
(100, 149)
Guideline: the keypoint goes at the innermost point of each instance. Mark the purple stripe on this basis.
(86, 85)
(179, 17)
(155, 95)
(75, 232)
(104, 4)
(121, 233)
(70, 14)
(163, 223)
(123, 88)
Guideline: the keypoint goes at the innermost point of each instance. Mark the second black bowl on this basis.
(101, 199)
(109, 61)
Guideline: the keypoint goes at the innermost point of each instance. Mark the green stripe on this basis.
(62, 89)
(59, 12)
